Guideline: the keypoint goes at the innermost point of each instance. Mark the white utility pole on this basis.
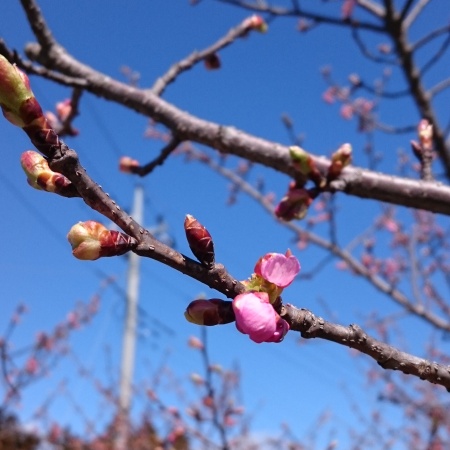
(129, 333)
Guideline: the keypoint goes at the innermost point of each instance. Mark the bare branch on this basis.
(165, 153)
(444, 84)
(430, 37)
(388, 357)
(372, 7)
(354, 181)
(412, 16)
(187, 63)
(300, 12)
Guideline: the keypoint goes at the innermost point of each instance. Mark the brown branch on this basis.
(415, 12)
(355, 181)
(165, 153)
(388, 357)
(300, 12)
(187, 63)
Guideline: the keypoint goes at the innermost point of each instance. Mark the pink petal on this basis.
(256, 317)
(279, 269)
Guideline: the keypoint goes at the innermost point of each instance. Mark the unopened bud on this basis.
(209, 312)
(212, 62)
(200, 241)
(257, 23)
(294, 205)
(127, 164)
(425, 132)
(341, 158)
(17, 100)
(91, 240)
(41, 177)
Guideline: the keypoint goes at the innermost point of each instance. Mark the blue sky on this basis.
(262, 77)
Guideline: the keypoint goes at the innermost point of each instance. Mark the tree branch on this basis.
(388, 357)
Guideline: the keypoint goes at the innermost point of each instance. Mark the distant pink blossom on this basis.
(31, 366)
(347, 8)
(346, 111)
(278, 269)
(256, 317)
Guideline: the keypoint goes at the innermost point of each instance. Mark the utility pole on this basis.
(129, 334)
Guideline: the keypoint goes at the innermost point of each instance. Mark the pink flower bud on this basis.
(209, 312)
(64, 109)
(31, 366)
(195, 342)
(256, 317)
(91, 240)
(197, 379)
(41, 177)
(127, 164)
(16, 98)
(278, 269)
(200, 241)
(257, 23)
(425, 132)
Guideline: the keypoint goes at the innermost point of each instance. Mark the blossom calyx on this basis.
(209, 312)
(256, 317)
(17, 100)
(91, 240)
(199, 240)
(341, 158)
(41, 177)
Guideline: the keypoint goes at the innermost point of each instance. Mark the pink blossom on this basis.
(278, 269)
(346, 111)
(256, 317)
(31, 366)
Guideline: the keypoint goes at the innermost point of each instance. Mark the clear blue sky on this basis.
(261, 77)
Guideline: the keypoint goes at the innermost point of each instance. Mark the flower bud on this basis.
(341, 158)
(17, 100)
(200, 241)
(212, 62)
(209, 312)
(256, 317)
(41, 177)
(127, 164)
(64, 109)
(425, 132)
(91, 240)
(257, 23)
(294, 205)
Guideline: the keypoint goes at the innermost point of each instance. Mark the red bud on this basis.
(200, 241)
